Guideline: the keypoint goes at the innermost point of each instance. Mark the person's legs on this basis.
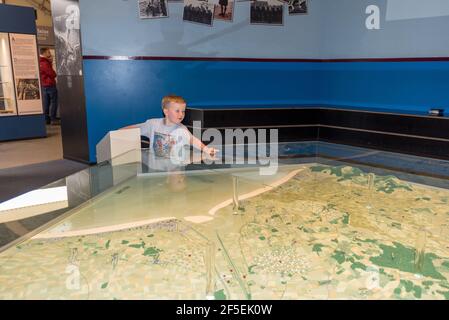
(53, 94)
(46, 101)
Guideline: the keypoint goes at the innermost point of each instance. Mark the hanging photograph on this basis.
(266, 12)
(224, 10)
(198, 11)
(150, 9)
(297, 6)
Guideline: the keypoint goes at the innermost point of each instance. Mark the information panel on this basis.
(26, 73)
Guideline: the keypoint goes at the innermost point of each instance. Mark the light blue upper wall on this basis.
(333, 29)
(423, 34)
(398, 86)
(112, 27)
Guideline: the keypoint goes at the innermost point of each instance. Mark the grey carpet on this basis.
(18, 180)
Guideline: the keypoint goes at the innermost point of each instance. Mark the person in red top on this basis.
(49, 91)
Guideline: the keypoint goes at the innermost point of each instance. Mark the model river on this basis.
(309, 232)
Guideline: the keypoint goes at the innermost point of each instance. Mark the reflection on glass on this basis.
(34, 203)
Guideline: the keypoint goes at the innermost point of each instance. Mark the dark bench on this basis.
(410, 133)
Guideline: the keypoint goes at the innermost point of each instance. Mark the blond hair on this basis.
(171, 98)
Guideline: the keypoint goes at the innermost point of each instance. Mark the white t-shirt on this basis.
(161, 164)
(165, 141)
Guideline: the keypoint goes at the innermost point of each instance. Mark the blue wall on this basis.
(17, 19)
(407, 29)
(111, 104)
(119, 93)
(23, 127)
(397, 86)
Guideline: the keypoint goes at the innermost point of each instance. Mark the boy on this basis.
(167, 134)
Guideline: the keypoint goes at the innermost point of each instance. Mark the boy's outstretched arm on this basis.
(197, 143)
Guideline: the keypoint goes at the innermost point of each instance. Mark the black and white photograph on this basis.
(266, 12)
(224, 10)
(198, 11)
(150, 9)
(66, 23)
(297, 7)
(28, 89)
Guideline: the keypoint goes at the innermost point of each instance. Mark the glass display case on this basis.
(332, 222)
(8, 105)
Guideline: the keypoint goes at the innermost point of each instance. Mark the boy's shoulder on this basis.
(154, 121)
(158, 123)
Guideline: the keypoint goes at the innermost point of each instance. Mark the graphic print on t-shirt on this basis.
(163, 144)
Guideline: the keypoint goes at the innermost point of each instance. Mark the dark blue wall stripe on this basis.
(125, 58)
(17, 19)
(23, 127)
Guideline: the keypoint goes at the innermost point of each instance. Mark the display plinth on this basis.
(117, 147)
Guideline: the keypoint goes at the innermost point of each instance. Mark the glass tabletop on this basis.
(328, 222)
